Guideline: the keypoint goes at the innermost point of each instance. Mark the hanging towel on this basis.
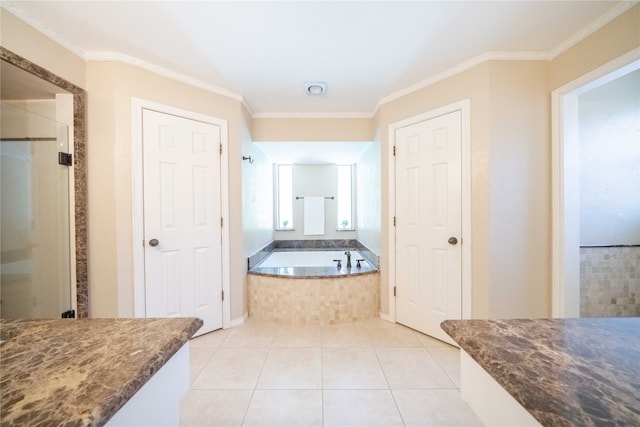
(313, 216)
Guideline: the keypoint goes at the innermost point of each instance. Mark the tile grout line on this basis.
(255, 386)
(375, 351)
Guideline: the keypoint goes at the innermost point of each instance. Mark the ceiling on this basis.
(265, 51)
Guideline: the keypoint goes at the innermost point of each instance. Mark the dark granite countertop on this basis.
(565, 372)
(80, 372)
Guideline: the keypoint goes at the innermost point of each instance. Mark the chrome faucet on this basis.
(348, 254)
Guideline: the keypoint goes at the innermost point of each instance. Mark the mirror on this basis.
(22, 79)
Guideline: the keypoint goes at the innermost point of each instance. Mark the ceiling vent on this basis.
(315, 88)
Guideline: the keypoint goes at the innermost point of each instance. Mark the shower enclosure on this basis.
(36, 271)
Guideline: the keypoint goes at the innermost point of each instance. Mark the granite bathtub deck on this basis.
(312, 272)
(565, 372)
(80, 372)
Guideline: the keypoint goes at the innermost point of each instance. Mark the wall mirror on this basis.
(43, 248)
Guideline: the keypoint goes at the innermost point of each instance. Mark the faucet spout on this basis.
(348, 254)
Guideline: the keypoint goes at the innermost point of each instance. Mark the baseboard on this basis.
(385, 316)
(238, 320)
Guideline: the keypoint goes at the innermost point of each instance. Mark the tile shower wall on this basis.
(610, 281)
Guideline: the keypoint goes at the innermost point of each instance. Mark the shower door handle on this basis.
(153, 242)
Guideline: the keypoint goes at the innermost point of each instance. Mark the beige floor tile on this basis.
(253, 335)
(198, 357)
(412, 368)
(435, 408)
(392, 335)
(214, 407)
(351, 368)
(449, 359)
(231, 368)
(345, 335)
(211, 339)
(297, 336)
(428, 341)
(360, 408)
(292, 368)
(285, 408)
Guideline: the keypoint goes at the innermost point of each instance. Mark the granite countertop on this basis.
(565, 372)
(80, 372)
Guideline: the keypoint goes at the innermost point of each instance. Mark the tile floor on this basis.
(368, 373)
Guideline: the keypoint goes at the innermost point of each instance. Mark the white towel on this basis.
(313, 216)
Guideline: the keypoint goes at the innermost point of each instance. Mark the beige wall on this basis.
(611, 41)
(312, 129)
(472, 84)
(509, 136)
(510, 188)
(24, 40)
(110, 87)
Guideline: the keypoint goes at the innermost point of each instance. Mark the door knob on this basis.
(452, 240)
(155, 242)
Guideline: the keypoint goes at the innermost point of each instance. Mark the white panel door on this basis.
(429, 224)
(183, 251)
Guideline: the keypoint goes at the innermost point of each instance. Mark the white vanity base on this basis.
(491, 403)
(157, 403)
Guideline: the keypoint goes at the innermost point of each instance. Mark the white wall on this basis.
(610, 163)
(257, 196)
(369, 198)
(315, 180)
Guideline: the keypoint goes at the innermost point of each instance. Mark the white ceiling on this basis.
(265, 51)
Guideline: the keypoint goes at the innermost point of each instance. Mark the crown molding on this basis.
(161, 71)
(42, 28)
(275, 115)
(594, 26)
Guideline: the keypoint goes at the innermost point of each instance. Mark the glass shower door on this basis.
(35, 239)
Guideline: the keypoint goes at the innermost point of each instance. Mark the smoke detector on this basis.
(315, 88)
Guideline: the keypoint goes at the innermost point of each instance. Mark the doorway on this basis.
(566, 177)
(180, 215)
(430, 239)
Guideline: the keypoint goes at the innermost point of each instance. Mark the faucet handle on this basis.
(358, 263)
(339, 261)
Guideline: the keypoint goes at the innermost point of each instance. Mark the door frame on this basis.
(464, 106)
(565, 281)
(137, 106)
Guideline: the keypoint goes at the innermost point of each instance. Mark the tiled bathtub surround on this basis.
(314, 300)
(610, 281)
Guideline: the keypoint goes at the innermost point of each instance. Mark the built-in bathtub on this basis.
(307, 286)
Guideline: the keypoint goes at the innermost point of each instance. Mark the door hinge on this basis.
(222, 295)
(394, 291)
(394, 150)
(394, 221)
(221, 222)
(220, 148)
(65, 159)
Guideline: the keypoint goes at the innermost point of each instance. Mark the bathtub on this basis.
(306, 286)
(312, 259)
